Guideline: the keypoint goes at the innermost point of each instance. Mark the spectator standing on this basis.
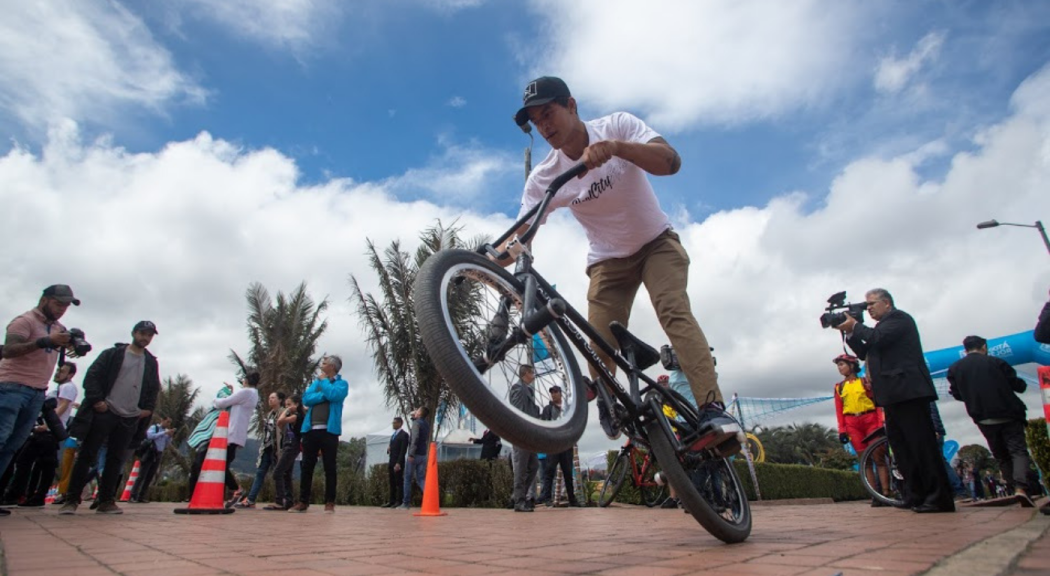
(491, 445)
(120, 389)
(563, 460)
(271, 447)
(526, 464)
(322, 426)
(201, 437)
(397, 451)
(416, 460)
(989, 387)
(66, 393)
(291, 423)
(30, 354)
(158, 436)
(241, 405)
(903, 387)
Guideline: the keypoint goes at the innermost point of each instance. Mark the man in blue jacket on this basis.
(322, 426)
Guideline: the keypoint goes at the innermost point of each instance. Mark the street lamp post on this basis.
(1038, 226)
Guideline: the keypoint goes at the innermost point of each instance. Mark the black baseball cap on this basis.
(553, 389)
(145, 326)
(539, 92)
(62, 293)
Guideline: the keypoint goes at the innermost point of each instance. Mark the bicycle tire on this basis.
(697, 483)
(614, 480)
(463, 301)
(868, 462)
(653, 494)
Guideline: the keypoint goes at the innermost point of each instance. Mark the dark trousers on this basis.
(147, 470)
(562, 460)
(397, 483)
(35, 468)
(327, 444)
(1008, 446)
(914, 442)
(114, 431)
(282, 475)
(198, 463)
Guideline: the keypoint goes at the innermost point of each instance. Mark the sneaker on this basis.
(95, 504)
(8, 503)
(59, 500)
(403, 507)
(717, 427)
(522, 507)
(530, 504)
(69, 508)
(32, 504)
(606, 420)
(670, 503)
(329, 508)
(238, 495)
(108, 508)
(244, 504)
(876, 503)
(299, 507)
(388, 505)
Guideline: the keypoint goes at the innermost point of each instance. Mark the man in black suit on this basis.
(989, 387)
(902, 385)
(491, 445)
(396, 466)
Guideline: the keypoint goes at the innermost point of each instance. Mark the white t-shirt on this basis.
(65, 391)
(242, 405)
(615, 203)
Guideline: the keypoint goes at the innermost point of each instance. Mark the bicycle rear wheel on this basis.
(879, 455)
(465, 305)
(708, 488)
(614, 480)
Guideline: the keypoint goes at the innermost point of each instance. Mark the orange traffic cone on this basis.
(208, 496)
(431, 491)
(131, 482)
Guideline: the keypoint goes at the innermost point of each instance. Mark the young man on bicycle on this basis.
(631, 240)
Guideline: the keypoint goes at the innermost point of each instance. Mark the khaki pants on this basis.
(663, 266)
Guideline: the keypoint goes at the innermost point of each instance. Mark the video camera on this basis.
(831, 317)
(77, 346)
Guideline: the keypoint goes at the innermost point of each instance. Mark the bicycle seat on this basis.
(644, 354)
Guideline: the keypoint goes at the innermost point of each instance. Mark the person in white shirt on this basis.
(242, 405)
(630, 237)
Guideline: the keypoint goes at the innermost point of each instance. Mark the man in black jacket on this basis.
(902, 385)
(120, 392)
(989, 387)
(396, 466)
(1042, 328)
(491, 445)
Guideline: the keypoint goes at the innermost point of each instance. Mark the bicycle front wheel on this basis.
(708, 488)
(879, 474)
(465, 306)
(614, 480)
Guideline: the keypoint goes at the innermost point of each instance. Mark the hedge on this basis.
(483, 484)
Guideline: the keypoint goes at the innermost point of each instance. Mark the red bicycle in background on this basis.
(642, 465)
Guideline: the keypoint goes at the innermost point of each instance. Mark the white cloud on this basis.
(686, 62)
(457, 102)
(176, 236)
(460, 173)
(83, 60)
(291, 24)
(892, 74)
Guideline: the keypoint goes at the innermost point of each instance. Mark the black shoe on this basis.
(1045, 508)
(530, 504)
(388, 505)
(95, 504)
(611, 429)
(876, 503)
(32, 504)
(522, 507)
(932, 509)
(670, 503)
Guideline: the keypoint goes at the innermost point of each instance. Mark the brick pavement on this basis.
(824, 540)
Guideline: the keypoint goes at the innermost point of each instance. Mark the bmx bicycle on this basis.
(482, 324)
(642, 467)
(878, 470)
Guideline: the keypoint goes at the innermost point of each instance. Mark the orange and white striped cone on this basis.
(209, 495)
(94, 495)
(130, 485)
(431, 490)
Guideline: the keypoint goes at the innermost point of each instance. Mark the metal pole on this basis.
(1042, 232)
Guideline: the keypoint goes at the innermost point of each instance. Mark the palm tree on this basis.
(283, 335)
(175, 400)
(408, 377)
(807, 443)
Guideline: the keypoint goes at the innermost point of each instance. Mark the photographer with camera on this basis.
(901, 383)
(120, 392)
(31, 351)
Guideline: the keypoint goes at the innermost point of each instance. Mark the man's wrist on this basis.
(43, 342)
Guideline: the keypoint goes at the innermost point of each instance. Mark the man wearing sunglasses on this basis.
(904, 389)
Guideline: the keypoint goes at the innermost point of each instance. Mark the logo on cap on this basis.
(530, 91)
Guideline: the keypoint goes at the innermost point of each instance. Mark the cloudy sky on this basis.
(159, 157)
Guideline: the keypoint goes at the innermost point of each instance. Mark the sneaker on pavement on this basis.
(717, 427)
(108, 508)
(32, 504)
(670, 503)
(69, 508)
(522, 507)
(329, 508)
(244, 504)
(403, 507)
(299, 507)
(95, 504)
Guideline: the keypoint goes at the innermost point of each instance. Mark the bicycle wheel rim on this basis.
(877, 454)
(614, 481)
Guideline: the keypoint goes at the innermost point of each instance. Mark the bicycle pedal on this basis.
(716, 435)
(732, 446)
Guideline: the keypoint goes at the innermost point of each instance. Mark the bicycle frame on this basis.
(640, 463)
(539, 293)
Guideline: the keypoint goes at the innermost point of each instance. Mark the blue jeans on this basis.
(265, 462)
(19, 407)
(415, 470)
